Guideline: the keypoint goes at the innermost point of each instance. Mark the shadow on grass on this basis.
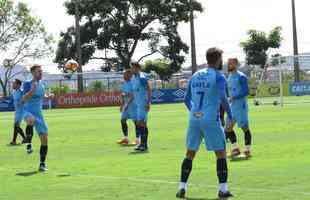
(14, 145)
(138, 152)
(26, 174)
(189, 198)
(64, 175)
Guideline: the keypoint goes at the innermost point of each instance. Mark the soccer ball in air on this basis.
(71, 66)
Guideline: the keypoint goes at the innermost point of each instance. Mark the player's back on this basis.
(205, 98)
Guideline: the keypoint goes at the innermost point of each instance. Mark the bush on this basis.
(57, 90)
(96, 86)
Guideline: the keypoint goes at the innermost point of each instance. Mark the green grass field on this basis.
(86, 164)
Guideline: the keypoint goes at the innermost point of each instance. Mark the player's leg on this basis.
(43, 151)
(232, 137)
(30, 121)
(222, 174)
(124, 140)
(215, 141)
(137, 141)
(15, 133)
(42, 130)
(142, 128)
(247, 141)
(193, 142)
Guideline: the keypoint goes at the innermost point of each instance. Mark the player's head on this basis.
(127, 75)
(16, 84)
(135, 67)
(214, 58)
(36, 71)
(232, 64)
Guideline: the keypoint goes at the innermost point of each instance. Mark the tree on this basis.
(119, 26)
(162, 67)
(22, 36)
(257, 45)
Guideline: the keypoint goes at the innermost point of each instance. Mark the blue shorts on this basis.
(240, 116)
(129, 114)
(211, 132)
(141, 113)
(39, 123)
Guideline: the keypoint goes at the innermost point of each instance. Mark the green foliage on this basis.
(58, 90)
(119, 26)
(258, 43)
(96, 86)
(162, 67)
(22, 35)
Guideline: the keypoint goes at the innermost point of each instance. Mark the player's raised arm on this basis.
(29, 89)
(188, 96)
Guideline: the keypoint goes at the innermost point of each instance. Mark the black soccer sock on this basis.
(29, 133)
(143, 135)
(146, 131)
(222, 171)
(231, 135)
(43, 153)
(21, 132)
(15, 134)
(186, 169)
(247, 137)
(138, 134)
(124, 128)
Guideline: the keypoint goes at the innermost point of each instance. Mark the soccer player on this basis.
(142, 99)
(128, 109)
(238, 91)
(19, 111)
(34, 92)
(205, 93)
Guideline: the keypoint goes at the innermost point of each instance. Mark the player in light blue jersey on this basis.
(142, 99)
(34, 92)
(205, 93)
(238, 91)
(19, 111)
(128, 109)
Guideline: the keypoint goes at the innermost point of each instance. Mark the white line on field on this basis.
(145, 180)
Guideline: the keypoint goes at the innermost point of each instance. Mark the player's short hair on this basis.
(213, 55)
(19, 82)
(235, 60)
(34, 67)
(135, 64)
(127, 71)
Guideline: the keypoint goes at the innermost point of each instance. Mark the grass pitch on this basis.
(85, 163)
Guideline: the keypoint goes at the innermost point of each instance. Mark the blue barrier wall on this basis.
(299, 88)
(6, 104)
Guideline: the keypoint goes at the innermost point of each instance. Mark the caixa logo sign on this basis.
(168, 95)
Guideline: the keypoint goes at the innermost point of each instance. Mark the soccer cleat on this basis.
(29, 148)
(123, 141)
(136, 142)
(247, 153)
(224, 195)
(42, 167)
(235, 152)
(181, 194)
(13, 143)
(141, 148)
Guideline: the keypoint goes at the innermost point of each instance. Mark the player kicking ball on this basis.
(142, 99)
(238, 91)
(34, 92)
(205, 93)
(128, 109)
(19, 111)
